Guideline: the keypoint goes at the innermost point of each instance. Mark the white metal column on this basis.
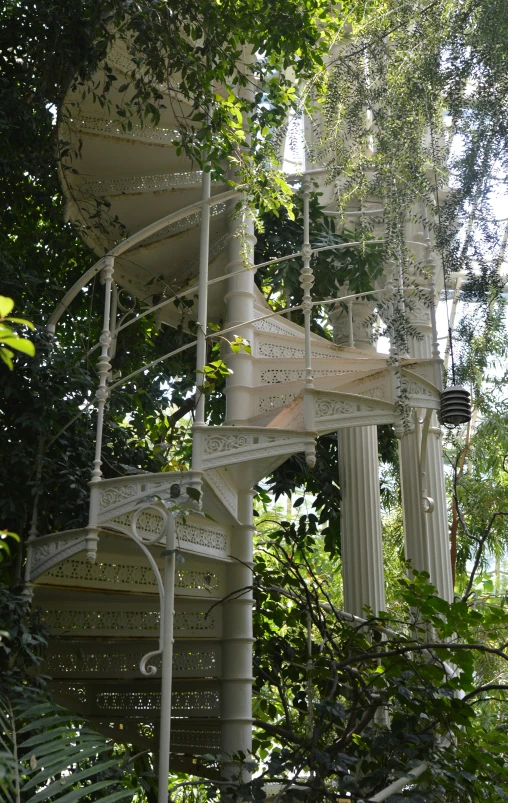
(361, 530)
(240, 299)
(237, 639)
(361, 533)
(415, 529)
(434, 556)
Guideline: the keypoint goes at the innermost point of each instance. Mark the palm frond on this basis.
(47, 754)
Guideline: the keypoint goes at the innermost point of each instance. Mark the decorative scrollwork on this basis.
(224, 443)
(117, 494)
(150, 669)
(148, 524)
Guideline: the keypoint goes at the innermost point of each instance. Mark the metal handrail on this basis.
(128, 243)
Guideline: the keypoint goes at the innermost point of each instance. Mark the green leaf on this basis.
(6, 306)
(20, 344)
(77, 794)
(22, 321)
(193, 493)
(67, 780)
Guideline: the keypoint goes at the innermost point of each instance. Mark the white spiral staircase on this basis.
(104, 608)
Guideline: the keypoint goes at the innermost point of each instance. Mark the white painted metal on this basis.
(202, 321)
(361, 531)
(103, 369)
(167, 659)
(361, 528)
(240, 301)
(415, 528)
(307, 281)
(237, 640)
(434, 553)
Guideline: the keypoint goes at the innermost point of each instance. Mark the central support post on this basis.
(361, 530)
(167, 624)
(426, 528)
(237, 640)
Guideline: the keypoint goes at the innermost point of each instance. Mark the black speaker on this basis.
(455, 406)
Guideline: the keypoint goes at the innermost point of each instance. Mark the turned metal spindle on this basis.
(101, 394)
(307, 280)
(432, 267)
(204, 246)
(350, 324)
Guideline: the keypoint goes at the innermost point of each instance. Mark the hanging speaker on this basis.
(455, 406)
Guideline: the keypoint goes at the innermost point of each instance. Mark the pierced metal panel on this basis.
(142, 700)
(193, 535)
(111, 127)
(132, 618)
(195, 740)
(130, 574)
(120, 659)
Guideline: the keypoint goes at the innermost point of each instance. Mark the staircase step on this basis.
(334, 411)
(234, 444)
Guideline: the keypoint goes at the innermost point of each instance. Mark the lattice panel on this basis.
(134, 622)
(188, 702)
(275, 402)
(196, 535)
(129, 577)
(195, 741)
(103, 125)
(90, 622)
(276, 375)
(201, 660)
(187, 223)
(280, 350)
(191, 740)
(150, 523)
(272, 325)
(135, 184)
(199, 538)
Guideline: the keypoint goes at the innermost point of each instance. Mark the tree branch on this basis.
(487, 687)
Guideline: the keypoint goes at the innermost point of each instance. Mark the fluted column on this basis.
(237, 639)
(438, 528)
(415, 527)
(361, 530)
(362, 548)
(427, 544)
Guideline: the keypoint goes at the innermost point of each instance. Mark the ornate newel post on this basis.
(362, 547)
